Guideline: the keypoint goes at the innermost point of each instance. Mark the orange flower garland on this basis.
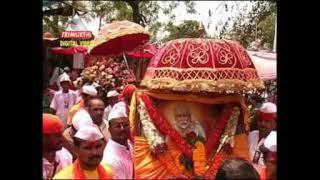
(217, 161)
(199, 158)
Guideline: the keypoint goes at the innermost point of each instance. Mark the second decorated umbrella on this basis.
(118, 37)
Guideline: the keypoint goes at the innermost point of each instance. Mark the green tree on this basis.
(146, 13)
(57, 14)
(259, 23)
(187, 29)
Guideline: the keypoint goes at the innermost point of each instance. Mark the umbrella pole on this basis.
(125, 60)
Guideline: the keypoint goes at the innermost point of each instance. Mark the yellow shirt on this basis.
(73, 110)
(67, 173)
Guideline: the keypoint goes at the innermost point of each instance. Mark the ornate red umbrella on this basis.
(49, 39)
(202, 65)
(145, 51)
(119, 36)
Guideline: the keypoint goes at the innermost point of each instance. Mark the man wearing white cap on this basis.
(98, 88)
(89, 145)
(63, 100)
(271, 156)
(267, 115)
(71, 131)
(87, 92)
(66, 73)
(112, 98)
(118, 152)
(269, 150)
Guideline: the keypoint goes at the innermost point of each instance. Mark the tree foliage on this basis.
(57, 14)
(187, 29)
(259, 23)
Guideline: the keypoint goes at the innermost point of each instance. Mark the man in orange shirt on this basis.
(87, 93)
(89, 145)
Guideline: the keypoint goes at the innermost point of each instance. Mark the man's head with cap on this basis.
(267, 115)
(66, 69)
(98, 88)
(270, 155)
(87, 92)
(78, 123)
(89, 145)
(119, 126)
(65, 82)
(112, 97)
(52, 128)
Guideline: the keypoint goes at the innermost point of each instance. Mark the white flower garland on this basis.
(152, 134)
(230, 129)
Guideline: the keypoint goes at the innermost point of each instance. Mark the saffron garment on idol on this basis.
(120, 159)
(62, 102)
(63, 158)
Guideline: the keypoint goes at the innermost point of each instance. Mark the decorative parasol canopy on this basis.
(145, 51)
(68, 51)
(119, 36)
(266, 64)
(49, 39)
(202, 65)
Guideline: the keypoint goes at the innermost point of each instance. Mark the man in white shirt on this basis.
(66, 73)
(96, 110)
(270, 155)
(112, 98)
(63, 100)
(267, 115)
(55, 157)
(118, 152)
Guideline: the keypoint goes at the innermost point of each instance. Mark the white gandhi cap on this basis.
(89, 133)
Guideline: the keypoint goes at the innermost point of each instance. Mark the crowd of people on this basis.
(86, 135)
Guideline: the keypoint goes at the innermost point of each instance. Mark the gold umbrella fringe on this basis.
(218, 86)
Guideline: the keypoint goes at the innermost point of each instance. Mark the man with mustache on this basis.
(89, 145)
(118, 152)
(96, 110)
(267, 116)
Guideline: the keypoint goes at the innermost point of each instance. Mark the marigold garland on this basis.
(219, 127)
(217, 161)
(199, 158)
(164, 126)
